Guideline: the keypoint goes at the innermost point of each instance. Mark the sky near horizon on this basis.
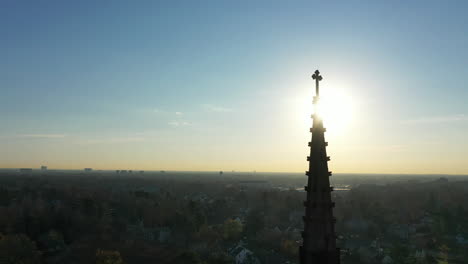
(225, 85)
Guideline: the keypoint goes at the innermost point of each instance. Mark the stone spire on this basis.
(319, 239)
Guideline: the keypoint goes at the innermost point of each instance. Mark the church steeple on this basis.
(319, 239)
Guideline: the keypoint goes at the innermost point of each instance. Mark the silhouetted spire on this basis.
(317, 77)
(319, 239)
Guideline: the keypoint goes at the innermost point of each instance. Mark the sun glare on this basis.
(336, 108)
(337, 111)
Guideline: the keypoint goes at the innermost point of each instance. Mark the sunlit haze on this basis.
(225, 85)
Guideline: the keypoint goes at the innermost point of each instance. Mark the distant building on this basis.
(43, 168)
(461, 240)
(242, 255)
(164, 234)
(442, 180)
(88, 169)
(25, 171)
(255, 184)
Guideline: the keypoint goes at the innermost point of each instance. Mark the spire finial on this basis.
(317, 77)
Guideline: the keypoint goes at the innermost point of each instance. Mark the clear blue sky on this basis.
(208, 85)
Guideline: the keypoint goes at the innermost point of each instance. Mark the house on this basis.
(461, 240)
(387, 260)
(164, 234)
(242, 255)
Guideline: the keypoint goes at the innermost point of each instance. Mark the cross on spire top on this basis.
(317, 77)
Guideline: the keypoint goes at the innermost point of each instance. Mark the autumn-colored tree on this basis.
(18, 249)
(108, 257)
(289, 247)
(443, 255)
(52, 242)
(232, 229)
(207, 234)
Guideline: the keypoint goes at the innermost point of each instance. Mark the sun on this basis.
(336, 108)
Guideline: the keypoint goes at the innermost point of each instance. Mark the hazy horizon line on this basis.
(235, 171)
